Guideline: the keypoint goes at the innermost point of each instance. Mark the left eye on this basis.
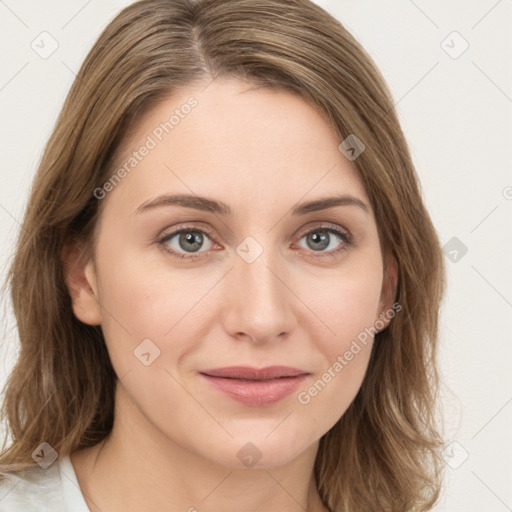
(322, 238)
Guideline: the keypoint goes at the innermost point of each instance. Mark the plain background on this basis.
(455, 107)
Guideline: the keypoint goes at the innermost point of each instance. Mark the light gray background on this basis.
(456, 113)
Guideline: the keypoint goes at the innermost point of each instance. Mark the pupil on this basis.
(322, 239)
(193, 239)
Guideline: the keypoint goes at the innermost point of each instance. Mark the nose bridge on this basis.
(259, 305)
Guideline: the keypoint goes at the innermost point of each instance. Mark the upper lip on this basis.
(247, 372)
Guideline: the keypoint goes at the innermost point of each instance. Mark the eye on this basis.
(186, 242)
(327, 240)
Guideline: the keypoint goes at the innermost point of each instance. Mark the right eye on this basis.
(180, 242)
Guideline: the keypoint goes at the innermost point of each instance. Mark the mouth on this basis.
(249, 373)
(255, 387)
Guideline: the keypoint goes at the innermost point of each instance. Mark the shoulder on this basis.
(37, 490)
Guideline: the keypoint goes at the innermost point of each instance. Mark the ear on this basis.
(80, 278)
(388, 292)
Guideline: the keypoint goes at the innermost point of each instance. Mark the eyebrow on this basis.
(209, 205)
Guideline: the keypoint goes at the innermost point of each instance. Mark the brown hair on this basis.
(384, 452)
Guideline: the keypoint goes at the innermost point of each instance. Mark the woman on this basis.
(227, 285)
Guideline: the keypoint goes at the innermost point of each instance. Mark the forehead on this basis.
(234, 141)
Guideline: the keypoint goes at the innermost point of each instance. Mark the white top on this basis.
(54, 489)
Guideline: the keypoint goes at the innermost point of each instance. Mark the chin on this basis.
(260, 452)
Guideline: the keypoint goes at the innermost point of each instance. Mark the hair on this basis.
(384, 453)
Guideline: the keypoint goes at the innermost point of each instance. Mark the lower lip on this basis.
(258, 392)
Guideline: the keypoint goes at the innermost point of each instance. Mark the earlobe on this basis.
(80, 278)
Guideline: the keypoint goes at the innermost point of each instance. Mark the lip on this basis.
(255, 387)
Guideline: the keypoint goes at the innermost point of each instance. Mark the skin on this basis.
(175, 439)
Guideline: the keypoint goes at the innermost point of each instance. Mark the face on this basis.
(249, 276)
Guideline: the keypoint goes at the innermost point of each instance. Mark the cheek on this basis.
(328, 396)
(151, 326)
(143, 299)
(344, 359)
(346, 302)
(348, 309)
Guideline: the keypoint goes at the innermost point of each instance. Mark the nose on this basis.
(259, 302)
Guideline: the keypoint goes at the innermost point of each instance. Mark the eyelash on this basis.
(345, 236)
